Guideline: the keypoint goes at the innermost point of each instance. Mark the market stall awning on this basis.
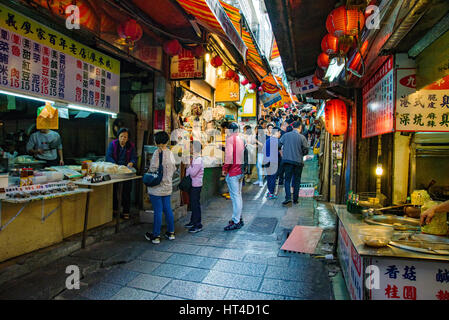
(254, 57)
(211, 15)
(274, 50)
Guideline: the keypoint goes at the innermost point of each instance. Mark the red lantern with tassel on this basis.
(172, 47)
(336, 117)
(323, 60)
(130, 30)
(329, 44)
(244, 82)
(216, 61)
(198, 51)
(343, 22)
(230, 74)
(253, 86)
(317, 81)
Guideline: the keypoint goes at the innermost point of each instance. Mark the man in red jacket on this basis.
(232, 170)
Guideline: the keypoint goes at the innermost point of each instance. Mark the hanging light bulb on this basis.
(207, 57)
(219, 72)
(379, 170)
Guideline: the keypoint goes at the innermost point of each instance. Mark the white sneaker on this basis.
(261, 184)
(256, 182)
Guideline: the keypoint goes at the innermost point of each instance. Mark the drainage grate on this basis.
(263, 225)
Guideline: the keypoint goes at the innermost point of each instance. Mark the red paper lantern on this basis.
(216, 61)
(342, 22)
(317, 81)
(172, 47)
(230, 74)
(329, 44)
(130, 30)
(323, 60)
(336, 117)
(198, 51)
(244, 82)
(253, 86)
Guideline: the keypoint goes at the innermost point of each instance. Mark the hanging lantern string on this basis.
(138, 17)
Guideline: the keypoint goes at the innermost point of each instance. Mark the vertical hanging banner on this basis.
(378, 102)
(426, 110)
(185, 66)
(41, 62)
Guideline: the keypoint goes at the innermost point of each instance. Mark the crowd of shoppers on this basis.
(276, 146)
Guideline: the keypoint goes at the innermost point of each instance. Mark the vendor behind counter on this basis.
(46, 145)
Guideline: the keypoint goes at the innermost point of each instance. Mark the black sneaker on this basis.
(287, 203)
(154, 239)
(241, 222)
(170, 235)
(232, 226)
(195, 229)
(188, 225)
(295, 201)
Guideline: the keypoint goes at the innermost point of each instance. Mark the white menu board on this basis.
(41, 62)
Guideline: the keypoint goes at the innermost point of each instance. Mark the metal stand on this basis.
(86, 216)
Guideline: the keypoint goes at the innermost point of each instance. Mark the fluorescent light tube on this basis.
(75, 107)
(335, 67)
(26, 96)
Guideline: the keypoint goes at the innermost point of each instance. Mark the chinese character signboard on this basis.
(351, 264)
(425, 110)
(270, 99)
(150, 55)
(227, 91)
(411, 280)
(303, 85)
(186, 67)
(38, 61)
(378, 102)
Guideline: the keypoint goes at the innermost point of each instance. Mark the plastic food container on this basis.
(376, 236)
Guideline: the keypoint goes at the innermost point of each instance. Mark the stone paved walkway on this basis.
(213, 264)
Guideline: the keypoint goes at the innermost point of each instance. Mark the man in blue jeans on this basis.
(232, 170)
(294, 147)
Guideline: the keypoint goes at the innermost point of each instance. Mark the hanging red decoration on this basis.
(253, 86)
(244, 82)
(236, 78)
(323, 60)
(88, 17)
(317, 81)
(355, 63)
(130, 30)
(343, 22)
(329, 44)
(260, 89)
(230, 74)
(216, 61)
(198, 51)
(172, 47)
(319, 73)
(336, 117)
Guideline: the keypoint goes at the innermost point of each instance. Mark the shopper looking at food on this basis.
(122, 152)
(196, 172)
(160, 195)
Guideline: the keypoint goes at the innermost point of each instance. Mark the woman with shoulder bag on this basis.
(160, 194)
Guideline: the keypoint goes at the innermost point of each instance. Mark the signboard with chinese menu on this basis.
(186, 67)
(378, 102)
(303, 85)
(351, 263)
(411, 280)
(426, 110)
(38, 61)
(227, 91)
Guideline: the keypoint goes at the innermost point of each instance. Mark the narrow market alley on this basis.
(244, 264)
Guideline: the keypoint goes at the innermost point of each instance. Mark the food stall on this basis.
(42, 204)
